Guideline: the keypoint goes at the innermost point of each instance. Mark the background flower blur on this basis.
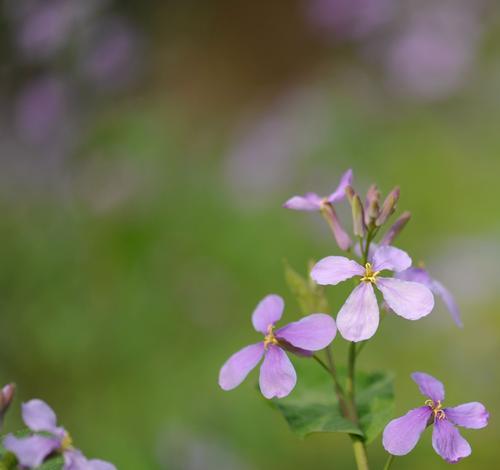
(146, 149)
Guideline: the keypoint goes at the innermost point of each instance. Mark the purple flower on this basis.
(402, 434)
(277, 375)
(313, 202)
(358, 318)
(33, 450)
(422, 276)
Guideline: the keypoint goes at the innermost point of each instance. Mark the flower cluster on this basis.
(408, 292)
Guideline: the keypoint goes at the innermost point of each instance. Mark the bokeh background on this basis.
(146, 149)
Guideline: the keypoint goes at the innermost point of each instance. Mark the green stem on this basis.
(388, 464)
(358, 447)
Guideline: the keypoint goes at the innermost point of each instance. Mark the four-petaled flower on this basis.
(421, 275)
(402, 434)
(358, 318)
(33, 450)
(277, 375)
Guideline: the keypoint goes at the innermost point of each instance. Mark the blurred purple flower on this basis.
(402, 434)
(422, 276)
(40, 109)
(358, 318)
(277, 375)
(6, 397)
(33, 450)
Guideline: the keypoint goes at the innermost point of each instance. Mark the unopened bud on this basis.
(6, 397)
(350, 193)
(372, 204)
(396, 228)
(358, 223)
(388, 207)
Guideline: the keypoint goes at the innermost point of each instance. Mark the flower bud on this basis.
(357, 216)
(396, 228)
(372, 204)
(388, 207)
(6, 397)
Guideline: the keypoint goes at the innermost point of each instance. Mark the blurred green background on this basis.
(141, 188)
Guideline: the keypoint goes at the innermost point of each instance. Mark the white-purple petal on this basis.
(31, 451)
(448, 442)
(448, 300)
(75, 460)
(39, 416)
(334, 269)
(308, 202)
(267, 312)
(239, 365)
(402, 434)
(409, 300)
(339, 193)
(277, 375)
(429, 386)
(472, 415)
(311, 333)
(389, 257)
(358, 318)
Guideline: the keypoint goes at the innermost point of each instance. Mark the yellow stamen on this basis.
(370, 275)
(436, 409)
(66, 443)
(270, 338)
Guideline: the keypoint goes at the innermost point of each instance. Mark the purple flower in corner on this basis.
(421, 275)
(277, 375)
(358, 318)
(313, 202)
(402, 434)
(33, 450)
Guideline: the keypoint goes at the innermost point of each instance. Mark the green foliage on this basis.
(310, 296)
(313, 406)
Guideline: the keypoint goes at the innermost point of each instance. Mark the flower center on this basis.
(370, 275)
(436, 409)
(270, 338)
(66, 442)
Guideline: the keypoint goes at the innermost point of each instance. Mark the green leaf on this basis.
(313, 406)
(310, 297)
(55, 463)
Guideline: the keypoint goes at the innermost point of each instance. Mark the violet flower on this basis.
(421, 275)
(277, 375)
(358, 318)
(33, 450)
(313, 202)
(402, 434)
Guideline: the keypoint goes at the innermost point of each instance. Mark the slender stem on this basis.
(358, 447)
(388, 464)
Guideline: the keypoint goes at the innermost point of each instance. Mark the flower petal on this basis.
(75, 460)
(410, 300)
(96, 464)
(448, 442)
(359, 316)
(31, 451)
(448, 300)
(308, 202)
(429, 386)
(277, 375)
(312, 333)
(239, 365)
(389, 257)
(469, 415)
(267, 312)
(402, 434)
(39, 416)
(416, 275)
(339, 193)
(334, 269)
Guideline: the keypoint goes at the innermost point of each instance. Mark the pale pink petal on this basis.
(267, 312)
(308, 202)
(359, 316)
(277, 375)
(410, 300)
(448, 442)
(239, 365)
(334, 269)
(469, 415)
(402, 434)
(429, 386)
(39, 416)
(448, 300)
(339, 193)
(31, 451)
(389, 257)
(311, 333)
